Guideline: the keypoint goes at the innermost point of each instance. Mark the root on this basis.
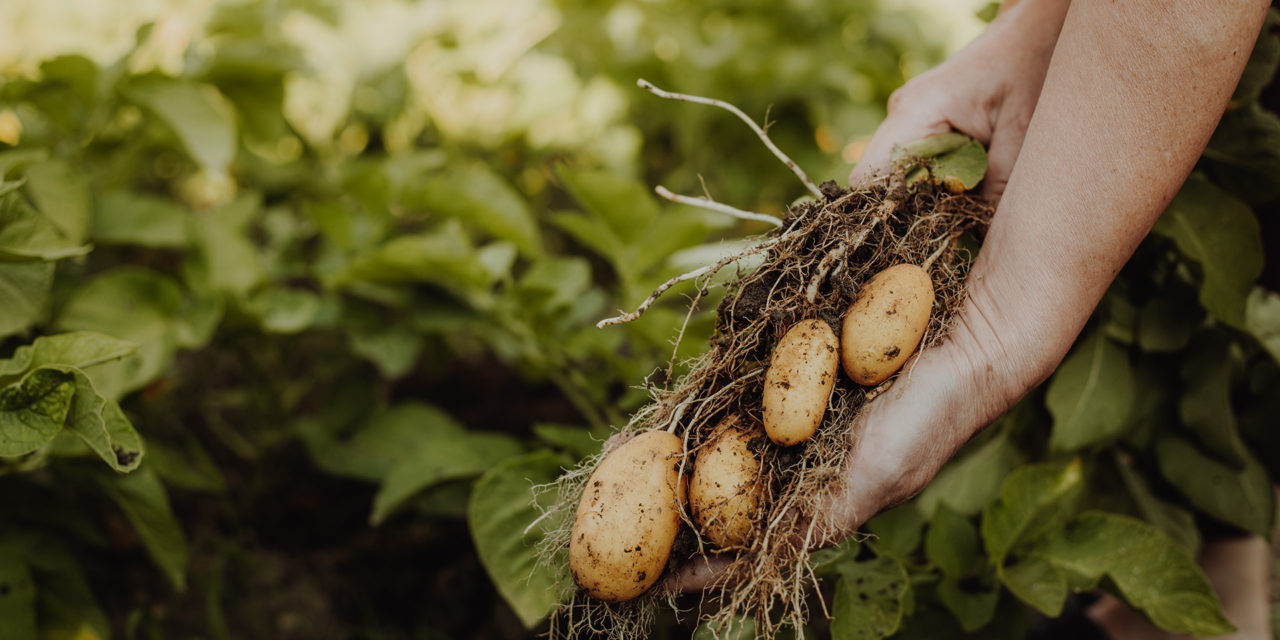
(712, 205)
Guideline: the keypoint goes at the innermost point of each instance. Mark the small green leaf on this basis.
(962, 169)
(394, 349)
(501, 514)
(1176, 522)
(284, 310)
(1091, 395)
(17, 595)
(196, 113)
(444, 459)
(477, 195)
(33, 410)
(1034, 498)
(229, 261)
(144, 501)
(125, 217)
(26, 234)
(1220, 233)
(929, 147)
(24, 289)
(102, 425)
(1243, 498)
(1038, 583)
(869, 599)
(1153, 574)
(969, 482)
(624, 205)
(554, 283)
(897, 531)
(62, 195)
(444, 257)
(968, 586)
(79, 349)
(1205, 403)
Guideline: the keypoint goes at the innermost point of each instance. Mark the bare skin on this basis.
(1095, 114)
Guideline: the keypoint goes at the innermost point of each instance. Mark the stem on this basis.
(764, 137)
(707, 203)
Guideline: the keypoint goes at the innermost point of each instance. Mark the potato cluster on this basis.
(629, 513)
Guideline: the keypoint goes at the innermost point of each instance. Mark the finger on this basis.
(698, 574)
(1006, 143)
(895, 130)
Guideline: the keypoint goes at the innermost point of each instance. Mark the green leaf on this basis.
(1091, 395)
(969, 482)
(1220, 233)
(132, 304)
(897, 531)
(79, 349)
(24, 289)
(439, 460)
(1205, 403)
(26, 234)
(1034, 498)
(1243, 156)
(869, 599)
(196, 113)
(33, 410)
(967, 588)
(284, 310)
(555, 283)
(17, 595)
(444, 257)
(1153, 574)
(394, 349)
(962, 169)
(125, 217)
(1262, 318)
(476, 195)
(624, 205)
(144, 501)
(102, 425)
(61, 193)
(1038, 583)
(578, 441)
(1243, 498)
(1176, 522)
(501, 515)
(230, 262)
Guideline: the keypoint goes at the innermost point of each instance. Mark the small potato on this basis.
(725, 490)
(799, 381)
(884, 325)
(628, 518)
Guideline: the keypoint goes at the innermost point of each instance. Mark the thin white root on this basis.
(928, 262)
(696, 273)
(764, 137)
(811, 292)
(712, 205)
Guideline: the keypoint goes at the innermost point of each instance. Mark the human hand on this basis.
(988, 91)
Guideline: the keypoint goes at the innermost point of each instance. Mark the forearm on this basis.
(1132, 95)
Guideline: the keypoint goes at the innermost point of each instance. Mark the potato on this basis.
(884, 325)
(799, 381)
(725, 490)
(628, 518)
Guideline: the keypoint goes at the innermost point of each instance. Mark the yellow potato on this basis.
(725, 490)
(884, 325)
(799, 381)
(628, 518)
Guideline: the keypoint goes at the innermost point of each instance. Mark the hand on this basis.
(988, 91)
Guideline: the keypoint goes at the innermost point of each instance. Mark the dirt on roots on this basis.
(814, 266)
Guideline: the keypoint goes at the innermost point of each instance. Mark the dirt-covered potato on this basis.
(884, 325)
(799, 381)
(725, 491)
(628, 518)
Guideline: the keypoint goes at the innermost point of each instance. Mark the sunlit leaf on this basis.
(1036, 582)
(1034, 498)
(196, 113)
(1091, 395)
(33, 410)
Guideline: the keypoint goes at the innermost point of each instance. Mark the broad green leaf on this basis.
(444, 257)
(196, 113)
(1261, 67)
(79, 349)
(969, 482)
(591, 232)
(968, 587)
(283, 309)
(17, 595)
(669, 233)
(444, 459)
(61, 193)
(502, 518)
(897, 531)
(1243, 498)
(24, 288)
(1205, 403)
(623, 204)
(102, 425)
(1034, 497)
(1152, 572)
(230, 262)
(132, 304)
(476, 195)
(383, 441)
(961, 169)
(125, 217)
(1262, 318)
(1038, 583)
(1091, 395)
(144, 501)
(1220, 233)
(394, 348)
(554, 283)
(1243, 156)
(26, 234)
(33, 410)
(1176, 522)
(869, 599)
